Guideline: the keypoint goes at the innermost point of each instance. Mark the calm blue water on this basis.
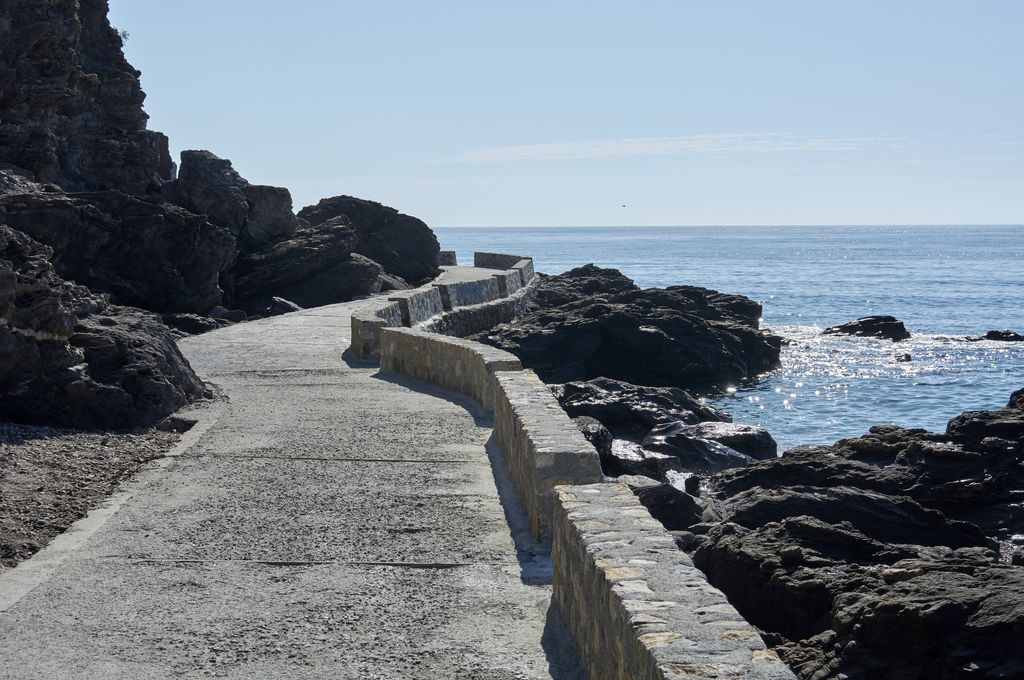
(942, 282)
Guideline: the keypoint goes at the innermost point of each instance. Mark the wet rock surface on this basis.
(628, 410)
(893, 554)
(679, 336)
(886, 327)
(750, 440)
(695, 454)
(1001, 336)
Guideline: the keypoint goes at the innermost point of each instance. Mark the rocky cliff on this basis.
(99, 196)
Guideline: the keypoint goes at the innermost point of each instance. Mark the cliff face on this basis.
(92, 194)
(72, 104)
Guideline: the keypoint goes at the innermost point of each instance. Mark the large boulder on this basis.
(697, 455)
(581, 283)
(254, 214)
(749, 440)
(678, 336)
(403, 245)
(885, 327)
(72, 104)
(72, 359)
(142, 251)
(882, 555)
(632, 410)
(314, 266)
(1004, 336)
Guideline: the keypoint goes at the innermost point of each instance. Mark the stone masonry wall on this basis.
(542, 446)
(456, 308)
(460, 365)
(473, 319)
(636, 605)
(496, 260)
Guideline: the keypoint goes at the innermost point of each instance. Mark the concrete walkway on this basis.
(332, 522)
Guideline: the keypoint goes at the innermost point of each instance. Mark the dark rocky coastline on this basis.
(885, 327)
(89, 195)
(591, 322)
(895, 554)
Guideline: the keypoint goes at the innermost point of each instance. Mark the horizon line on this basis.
(719, 226)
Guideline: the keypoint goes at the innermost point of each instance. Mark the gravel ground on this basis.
(50, 478)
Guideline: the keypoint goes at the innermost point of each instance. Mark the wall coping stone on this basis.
(453, 363)
(636, 604)
(542, 445)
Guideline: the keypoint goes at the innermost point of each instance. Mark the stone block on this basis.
(636, 605)
(542, 445)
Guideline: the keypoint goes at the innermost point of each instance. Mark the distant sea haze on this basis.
(944, 282)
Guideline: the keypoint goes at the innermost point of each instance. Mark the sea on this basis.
(945, 282)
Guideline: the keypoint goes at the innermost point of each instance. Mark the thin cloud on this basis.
(761, 143)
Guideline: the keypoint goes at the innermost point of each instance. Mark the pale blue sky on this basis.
(533, 113)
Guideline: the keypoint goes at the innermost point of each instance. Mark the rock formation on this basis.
(679, 336)
(98, 194)
(70, 358)
(253, 214)
(1000, 336)
(632, 410)
(886, 327)
(71, 103)
(887, 555)
(403, 245)
(143, 252)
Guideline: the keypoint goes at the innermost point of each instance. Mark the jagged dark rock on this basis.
(749, 440)
(597, 434)
(1016, 400)
(253, 214)
(632, 410)
(72, 104)
(315, 266)
(883, 555)
(144, 252)
(887, 327)
(193, 324)
(403, 245)
(678, 336)
(630, 458)
(579, 284)
(1001, 336)
(697, 455)
(72, 359)
(673, 507)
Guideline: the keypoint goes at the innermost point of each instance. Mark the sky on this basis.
(565, 113)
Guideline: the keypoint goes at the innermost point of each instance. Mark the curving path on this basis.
(329, 522)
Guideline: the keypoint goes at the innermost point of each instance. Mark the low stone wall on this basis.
(463, 293)
(509, 282)
(455, 308)
(447, 258)
(525, 269)
(496, 260)
(367, 323)
(635, 603)
(474, 319)
(542, 446)
(419, 305)
(460, 365)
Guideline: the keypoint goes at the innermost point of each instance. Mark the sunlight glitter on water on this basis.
(833, 386)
